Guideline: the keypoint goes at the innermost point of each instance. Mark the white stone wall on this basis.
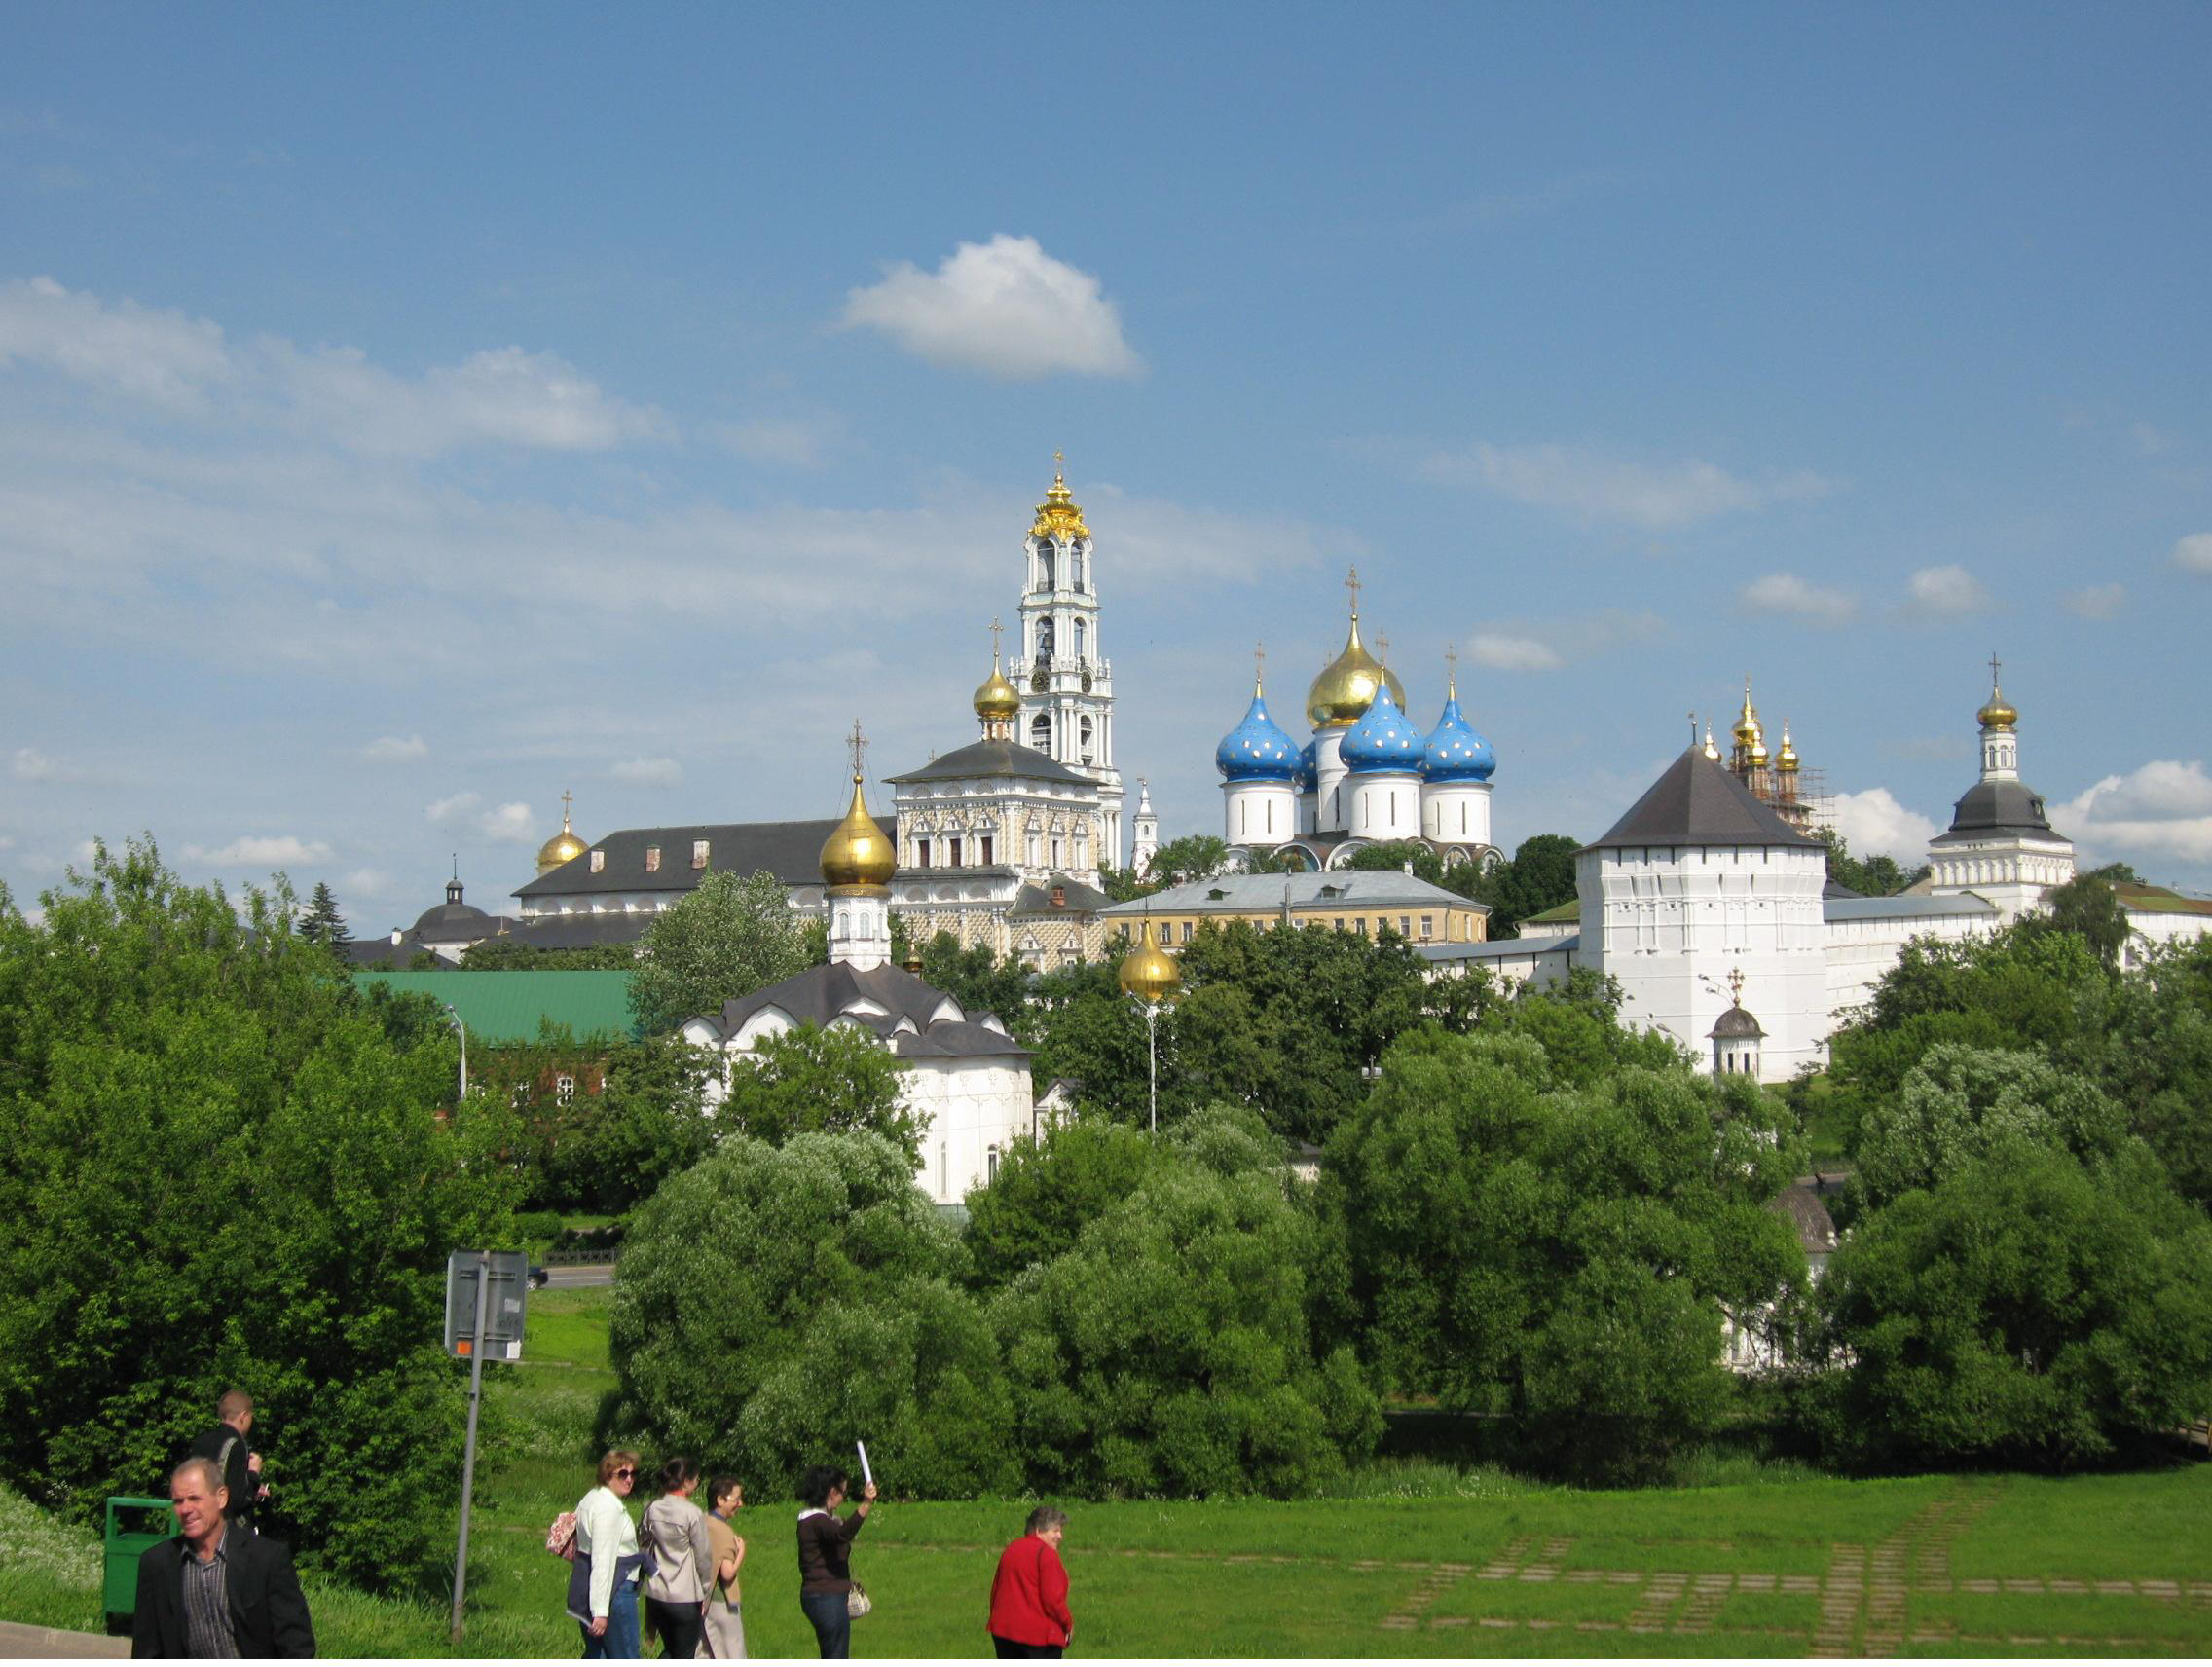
(1331, 814)
(971, 1108)
(1384, 806)
(1670, 923)
(1456, 813)
(2013, 871)
(1258, 813)
(1861, 951)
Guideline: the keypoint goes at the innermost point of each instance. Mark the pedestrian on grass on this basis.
(1029, 1593)
(603, 1584)
(724, 1637)
(825, 1586)
(216, 1591)
(677, 1551)
(234, 1459)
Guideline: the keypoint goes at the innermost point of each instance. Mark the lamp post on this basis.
(1150, 978)
(460, 1030)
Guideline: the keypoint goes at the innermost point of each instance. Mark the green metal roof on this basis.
(507, 1007)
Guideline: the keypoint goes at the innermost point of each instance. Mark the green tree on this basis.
(1878, 876)
(222, 1165)
(649, 1121)
(1169, 1351)
(810, 1080)
(1048, 1189)
(730, 938)
(320, 922)
(1539, 876)
(2089, 906)
(1394, 857)
(976, 979)
(1193, 857)
(2027, 1308)
(506, 955)
(775, 1301)
(1559, 1245)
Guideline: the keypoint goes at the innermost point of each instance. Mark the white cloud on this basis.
(790, 442)
(1946, 592)
(158, 356)
(499, 396)
(2096, 601)
(649, 772)
(1874, 823)
(32, 764)
(1501, 652)
(2163, 808)
(362, 884)
(1603, 487)
(464, 813)
(396, 749)
(2194, 553)
(1786, 593)
(1006, 307)
(255, 850)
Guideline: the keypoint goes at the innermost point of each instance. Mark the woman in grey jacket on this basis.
(675, 1534)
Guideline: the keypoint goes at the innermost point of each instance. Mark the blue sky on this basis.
(408, 414)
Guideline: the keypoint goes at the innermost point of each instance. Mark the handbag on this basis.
(857, 1602)
(561, 1537)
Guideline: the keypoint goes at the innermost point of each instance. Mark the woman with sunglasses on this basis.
(602, 1586)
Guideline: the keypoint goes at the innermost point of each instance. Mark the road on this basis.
(575, 1277)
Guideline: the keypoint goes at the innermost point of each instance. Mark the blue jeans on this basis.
(832, 1626)
(619, 1643)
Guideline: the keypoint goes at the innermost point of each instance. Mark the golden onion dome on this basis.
(563, 847)
(1060, 516)
(857, 853)
(995, 698)
(1710, 750)
(1998, 713)
(1747, 733)
(1149, 973)
(1347, 685)
(1787, 758)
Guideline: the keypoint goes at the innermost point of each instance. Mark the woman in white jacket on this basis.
(603, 1585)
(683, 1561)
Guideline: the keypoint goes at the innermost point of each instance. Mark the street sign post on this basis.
(485, 1295)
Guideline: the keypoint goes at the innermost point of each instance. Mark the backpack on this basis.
(561, 1537)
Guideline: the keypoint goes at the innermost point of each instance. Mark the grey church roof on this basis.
(989, 757)
(1079, 899)
(453, 923)
(1696, 802)
(792, 851)
(1991, 807)
(823, 993)
(1499, 948)
(1736, 1026)
(1351, 888)
(1906, 906)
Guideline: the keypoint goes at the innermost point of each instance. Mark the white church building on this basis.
(963, 1076)
(1713, 914)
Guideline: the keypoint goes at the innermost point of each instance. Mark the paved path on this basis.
(21, 1643)
(578, 1275)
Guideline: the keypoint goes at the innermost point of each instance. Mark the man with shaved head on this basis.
(239, 1464)
(217, 1592)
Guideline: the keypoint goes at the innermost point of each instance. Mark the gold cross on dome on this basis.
(567, 798)
(1259, 660)
(1993, 664)
(995, 629)
(1382, 648)
(1351, 583)
(858, 742)
(1736, 985)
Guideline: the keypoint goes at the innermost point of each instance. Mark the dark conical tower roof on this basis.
(1696, 802)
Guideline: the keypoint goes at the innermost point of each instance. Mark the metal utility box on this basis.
(123, 1547)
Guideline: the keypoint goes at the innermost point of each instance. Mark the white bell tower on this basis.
(1065, 680)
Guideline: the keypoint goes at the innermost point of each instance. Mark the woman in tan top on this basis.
(724, 1637)
(675, 1532)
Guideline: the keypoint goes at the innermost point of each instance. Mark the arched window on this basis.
(1082, 729)
(1078, 641)
(1045, 564)
(1045, 637)
(1075, 564)
(1041, 731)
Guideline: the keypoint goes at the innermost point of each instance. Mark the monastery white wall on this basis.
(970, 1108)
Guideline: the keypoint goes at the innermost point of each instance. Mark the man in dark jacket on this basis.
(237, 1462)
(216, 1590)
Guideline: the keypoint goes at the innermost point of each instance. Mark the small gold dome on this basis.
(1060, 516)
(1347, 685)
(1710, 750)
(563, 847)
(1999, 713)
(1787, 758)
(1149, 973)
(996, 697)
(857, 853)
(1747, 733)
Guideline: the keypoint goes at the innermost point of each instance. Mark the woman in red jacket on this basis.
(1029, 1594)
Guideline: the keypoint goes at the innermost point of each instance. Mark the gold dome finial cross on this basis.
(858, 742)
(566, 799)
(1382, 648)
(1351, 583)
(995, 629)
(1995, 665)
(1259, 665)
(1736, 985)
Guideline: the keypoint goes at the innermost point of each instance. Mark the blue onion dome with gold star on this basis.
(1257, 749)
(1384, 740)
(1308, 776)
(1456, 753)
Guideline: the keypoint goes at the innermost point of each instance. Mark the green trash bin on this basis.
(124, 1546)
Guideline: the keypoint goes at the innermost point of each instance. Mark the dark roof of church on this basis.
(1802, 1208)
(792, 851)
(1696, 802)
(1997, 807)
(823, 993)
(1078, 898)
(989, 757)
(453, 923)
(1736, 1026)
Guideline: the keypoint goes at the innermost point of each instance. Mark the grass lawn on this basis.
(1471, 1564)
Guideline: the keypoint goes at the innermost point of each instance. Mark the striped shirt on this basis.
(208, 1634)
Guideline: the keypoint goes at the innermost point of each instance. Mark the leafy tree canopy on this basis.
(1878, 876)
(650, 1120)
(320, 922)
(1193, 857)
(1047, 1190)
(810, 1080)
(730, 938)
(506, 955)
(220, 1165)
(976, 979)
